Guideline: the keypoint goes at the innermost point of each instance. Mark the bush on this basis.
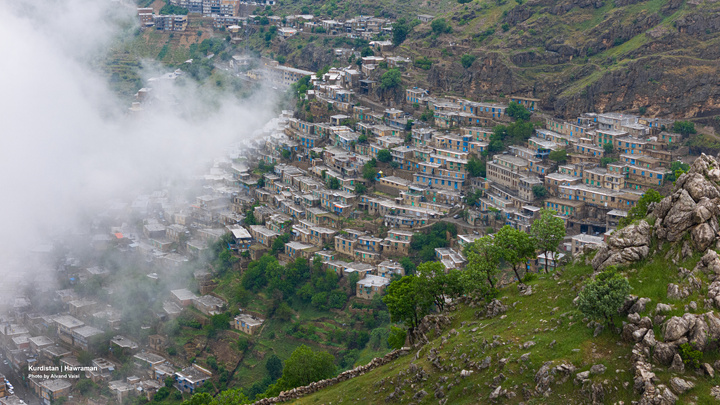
(684, 127)
(601, 298)
(440, 26)
(560, 156)
(467, 60)
(690, 355)
(518, 111)
(384, 156)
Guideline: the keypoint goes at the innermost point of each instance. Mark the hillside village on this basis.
(352, 192)
(349, 186)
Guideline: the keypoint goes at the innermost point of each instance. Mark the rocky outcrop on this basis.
(495, 308)
(702, 330)
(693, 207)
(627, 245)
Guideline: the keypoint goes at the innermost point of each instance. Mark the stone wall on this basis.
(298, 392)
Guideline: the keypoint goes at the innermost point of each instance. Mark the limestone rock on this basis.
(692, 208)
(675, 328)
(710, 263)
(677, 364)
(598, 369)
(624, 246)
(680, 386)
(708, 369)
(495, 308)
(639, 305)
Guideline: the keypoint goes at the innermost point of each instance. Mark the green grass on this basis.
(546, 316)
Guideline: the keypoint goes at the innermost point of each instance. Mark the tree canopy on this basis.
(400, 31)
(639, 211)
(518, 111)
(390, 80)
(405, 303)
(559, 156)
(437, 284)
(602, 297)
(306, 366)
(384, 156)
(517, 247)
(684, 128)
(547, 232)
(479, 276)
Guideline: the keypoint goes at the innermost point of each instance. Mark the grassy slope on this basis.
(275, 338)
(548, 315)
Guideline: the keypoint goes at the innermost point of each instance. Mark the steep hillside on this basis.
(580, 55)
(535, 346)
(655, 56)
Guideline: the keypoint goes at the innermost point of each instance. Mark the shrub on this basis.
(467, 60)
(690, 355)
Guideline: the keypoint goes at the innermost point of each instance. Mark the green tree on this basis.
(604, 161)
(684, 128)
(353, 278)
(608, 148)
(476, 167)
(440, 26)
(231, 397)
(400, 31)
(434, 283)
(306, 366)
(384, 156)
(333, 183)
(396, 338)
(539, 191)
(86, 385)
(201, 398)
(517, 247)
(518, 111)
(560, 156)
(602, 297)
(274, 367)
(405, 302)
(479, 276)
(467, 60)
(369, 171)
(362, 138)
(677, 168)
(390, 80)
(360, 188)
(407, 265)
(286, 154)
(547, 232)
(639, 211)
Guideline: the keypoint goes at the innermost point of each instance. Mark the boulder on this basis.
(675, 328)
(639, 305)
(495, 308)
(624, 246)
(680, 386)
(715, 392)
(664, 353)
(693, 207)
(677, 365)
(710, 263)
(708, 369)
(714, 292)
(598, 369)
(660, 308)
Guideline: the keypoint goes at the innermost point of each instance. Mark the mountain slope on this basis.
(582, 55)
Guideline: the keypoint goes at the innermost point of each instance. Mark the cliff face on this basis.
(589, 55)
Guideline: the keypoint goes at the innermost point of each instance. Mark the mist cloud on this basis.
(68, 145)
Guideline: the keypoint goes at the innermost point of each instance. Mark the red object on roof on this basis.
(119, 235)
